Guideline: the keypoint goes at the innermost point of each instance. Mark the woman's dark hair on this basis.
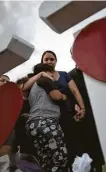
(42, 68)
(48, 51)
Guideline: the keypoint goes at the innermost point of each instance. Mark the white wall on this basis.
(97, 95)
(96, 90)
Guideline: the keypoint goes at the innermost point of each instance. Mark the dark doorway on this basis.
(86, 134)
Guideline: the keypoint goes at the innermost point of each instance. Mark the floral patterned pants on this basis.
(48, 140)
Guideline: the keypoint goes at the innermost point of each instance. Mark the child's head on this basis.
(43, 68)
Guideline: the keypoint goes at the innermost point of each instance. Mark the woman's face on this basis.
(49, 59)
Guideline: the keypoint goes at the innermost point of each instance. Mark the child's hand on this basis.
(44, 74)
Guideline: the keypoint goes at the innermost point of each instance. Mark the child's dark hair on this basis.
(48, 51)
(37, 69)
(42, 68)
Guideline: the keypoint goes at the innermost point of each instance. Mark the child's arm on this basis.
(28, 84)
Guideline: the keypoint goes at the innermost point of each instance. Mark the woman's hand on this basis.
(44, 74)
(80, 113)
(77, 95)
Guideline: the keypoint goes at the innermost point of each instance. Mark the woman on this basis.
(64, 81)
(42, 126)
(67, 86)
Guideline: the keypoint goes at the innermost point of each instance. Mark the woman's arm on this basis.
(76, 93)
(72, 86)
(32, 80)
